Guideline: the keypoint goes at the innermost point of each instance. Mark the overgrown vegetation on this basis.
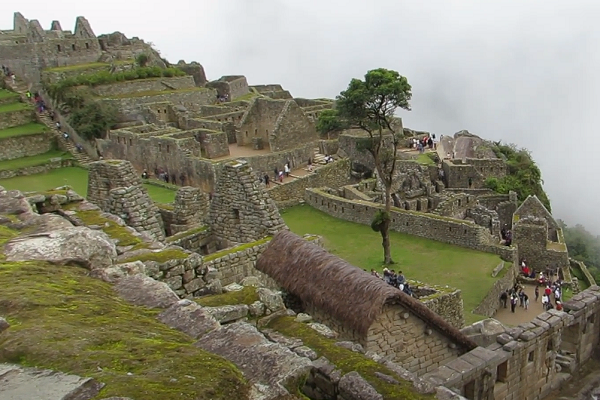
(524, 177)
(347, 360)
(583, 246)
(64, 320)
(160, 256)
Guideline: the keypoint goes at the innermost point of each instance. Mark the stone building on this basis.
(116, 188)
(361, 307)
(538, 236)
(241, 211)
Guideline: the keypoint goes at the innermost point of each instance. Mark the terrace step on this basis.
(82, 158)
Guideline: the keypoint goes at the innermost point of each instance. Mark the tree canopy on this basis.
(583, 246)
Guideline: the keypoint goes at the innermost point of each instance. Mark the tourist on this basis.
(374, 273)
(525, 301)
(182, 179)
(65, 135)
(79, 147)
(513, 302)
(400, 278)
(276, 174)
(145, 174)
(537, 293)
(58, 126)
(28, 95)
(14, 78)
(310, 165)
(266, 177)
(286, 169)
(559, 306)
(545, 301)
(281, 176)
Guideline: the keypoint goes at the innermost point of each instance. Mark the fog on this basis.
(523, 72)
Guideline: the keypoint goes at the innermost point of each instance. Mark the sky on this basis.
(519, 71)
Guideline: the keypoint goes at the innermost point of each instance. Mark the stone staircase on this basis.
(319, 159)
(81, 157)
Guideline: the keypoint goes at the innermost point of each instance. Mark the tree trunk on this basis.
(385, 228)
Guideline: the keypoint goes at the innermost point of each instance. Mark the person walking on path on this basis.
(537, 293)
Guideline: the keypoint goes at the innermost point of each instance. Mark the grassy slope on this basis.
(8, 94)
(31, 128)
(420, 259)
(62, 319)
(75, 177)
(31, 161)
(14, 107)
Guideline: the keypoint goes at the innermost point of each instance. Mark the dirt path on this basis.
(521, 315)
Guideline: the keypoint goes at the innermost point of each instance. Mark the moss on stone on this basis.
(64, 320)
(168, 207)
(347, 360)
(157, 93)
(160, 256)
(187, 233)
(247, 296)
(230, 250)
(111, 228)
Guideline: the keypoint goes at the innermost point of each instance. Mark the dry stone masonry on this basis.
(116, 188)
(241, 211)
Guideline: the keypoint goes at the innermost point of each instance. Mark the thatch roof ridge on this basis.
(352, 296)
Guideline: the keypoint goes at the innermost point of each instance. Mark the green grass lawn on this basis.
(75, 177)
(32, 161)
(425, 159)
(7, 94)
(420, 259)
(10, 107)
(31, 128)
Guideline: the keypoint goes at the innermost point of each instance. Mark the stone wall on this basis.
(196, 239)
(266, 163)
(531, 237)
(116, 188)
(525, 362)
(15, 118)
(491, 302)
(292, 128)
(232, 86)
(335, 174)
(145, 85)
(409, 341)
(133, 108)
(430, 226)
(25, 146)
(241, 211)
(448, 305)
(348, 146)
(37, 169)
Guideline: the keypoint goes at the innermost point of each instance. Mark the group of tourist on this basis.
(222, 99)
(394, 279)
(422, 144)
(516, 296)
(164, 176)
(40, 105)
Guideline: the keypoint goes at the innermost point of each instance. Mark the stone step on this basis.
(17, 383)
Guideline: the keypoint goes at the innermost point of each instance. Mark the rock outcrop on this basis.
(80, 245)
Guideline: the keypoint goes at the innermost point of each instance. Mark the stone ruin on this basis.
(117, 189)
(239, 211)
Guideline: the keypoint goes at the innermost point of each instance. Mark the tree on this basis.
(93, 119)
(329, 121)
(370, 105)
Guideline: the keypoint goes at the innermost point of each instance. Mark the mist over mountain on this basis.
(520, 72)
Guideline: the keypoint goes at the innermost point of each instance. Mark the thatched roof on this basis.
(350, 295)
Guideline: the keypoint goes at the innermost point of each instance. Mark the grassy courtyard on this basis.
(75, 177)
(420, 259)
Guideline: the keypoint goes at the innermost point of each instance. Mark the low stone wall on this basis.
(37, 169)
(531, 360)
(16, 118)
(25, 146)
(335, 174)
(491, 302)
(192, 240)
(586, 273)
(448, 305)
(443, 229)
(146, 85)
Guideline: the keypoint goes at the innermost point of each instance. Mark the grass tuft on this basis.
(31, 128)
(247, 296)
